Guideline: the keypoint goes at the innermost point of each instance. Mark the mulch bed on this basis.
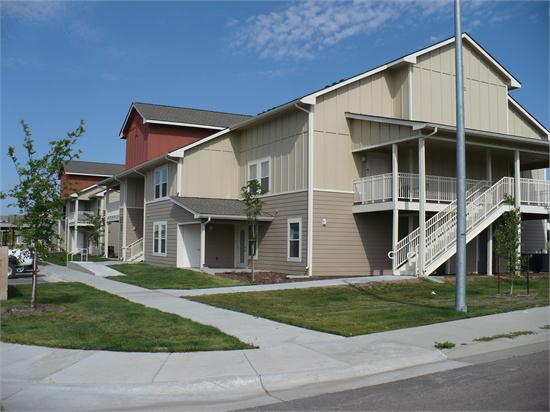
(26, 310)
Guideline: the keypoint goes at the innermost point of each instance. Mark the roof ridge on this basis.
(192, 108)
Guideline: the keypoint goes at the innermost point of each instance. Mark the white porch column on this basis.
(67, 209)
(489, 177)
(517, 197)
(75, 244)
(421, 205)
(124, 203)
(106, 227)
(203, 244)
(395, 188)
(59, 234)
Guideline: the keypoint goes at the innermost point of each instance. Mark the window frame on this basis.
(258, 163)
(159, 224)
(159, 170)
(289, 221)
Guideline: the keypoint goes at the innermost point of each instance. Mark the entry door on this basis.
(191, 253)
(241, 242)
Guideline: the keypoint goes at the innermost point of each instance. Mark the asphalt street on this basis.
(516, 383)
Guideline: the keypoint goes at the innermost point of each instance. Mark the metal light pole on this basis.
(460, 298)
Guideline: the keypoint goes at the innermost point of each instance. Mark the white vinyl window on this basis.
(294, 240)
(159, 238)
(160, 189)
(260, 170)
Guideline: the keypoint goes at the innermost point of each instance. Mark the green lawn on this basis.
(93, 319)
(358, 310)
(161, 277)
(60, 258)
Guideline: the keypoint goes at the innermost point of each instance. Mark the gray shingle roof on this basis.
(185, 115)
(215, 207)
(93, 168)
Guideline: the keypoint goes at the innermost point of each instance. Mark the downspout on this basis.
(310, 159)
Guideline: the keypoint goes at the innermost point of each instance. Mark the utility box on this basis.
(3, 273)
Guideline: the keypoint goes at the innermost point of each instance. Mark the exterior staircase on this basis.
(134, 251)
(484, 205)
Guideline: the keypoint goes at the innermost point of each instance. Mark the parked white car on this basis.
(19, 261)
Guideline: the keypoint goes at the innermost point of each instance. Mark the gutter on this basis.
(310, 169)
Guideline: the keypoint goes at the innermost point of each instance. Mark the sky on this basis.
(66, 61)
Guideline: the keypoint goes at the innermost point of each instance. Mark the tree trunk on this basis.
(34, 279)
(254, 250)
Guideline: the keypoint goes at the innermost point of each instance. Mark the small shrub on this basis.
(509, 335)
(444, 345)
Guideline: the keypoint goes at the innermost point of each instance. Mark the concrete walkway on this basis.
(284, 286)
(289, 359)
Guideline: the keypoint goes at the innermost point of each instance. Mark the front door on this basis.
(191, 251)
(241, 242)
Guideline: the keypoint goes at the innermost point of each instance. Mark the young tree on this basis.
(96, 228)
(37, 193)
(251, 193)
(508, 241)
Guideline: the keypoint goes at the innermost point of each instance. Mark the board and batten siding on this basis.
(150, 181)
(350, 244)
(382, 94)
(519, 125)
(283, 139)
(485, 96)
(273, 236)
(172, 214)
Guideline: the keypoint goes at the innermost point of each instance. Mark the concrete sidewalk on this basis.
(37, 378)
(285, 286)
(289, 360)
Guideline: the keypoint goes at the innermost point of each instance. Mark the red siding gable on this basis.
(74, 183)
(147, 141)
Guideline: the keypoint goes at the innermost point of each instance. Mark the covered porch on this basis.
(217, 237)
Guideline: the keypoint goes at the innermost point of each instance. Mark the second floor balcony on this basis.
(375, 193)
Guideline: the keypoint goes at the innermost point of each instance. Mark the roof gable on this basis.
(182, 116)
(83, 168)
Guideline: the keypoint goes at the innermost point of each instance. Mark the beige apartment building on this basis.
(360, 177)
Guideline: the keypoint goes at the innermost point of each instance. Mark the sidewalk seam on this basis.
(261, 381)
(160, 368)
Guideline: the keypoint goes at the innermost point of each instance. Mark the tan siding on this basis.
(485, 99)
(272, 250)
(283, 139)
(519, 125)
(211, 170)
(164, 210)
(114, 237)
(134, 189)
(134, 228)
(172, 181)
(349, 244)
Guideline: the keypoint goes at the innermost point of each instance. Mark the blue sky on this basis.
(66, 61)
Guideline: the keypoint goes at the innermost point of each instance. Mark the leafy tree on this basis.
(96, 228)
(508, 241)
(251, 193)
(37, 193)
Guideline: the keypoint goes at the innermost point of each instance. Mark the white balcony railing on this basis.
(82, 216)
(378, 189)
(113, 215)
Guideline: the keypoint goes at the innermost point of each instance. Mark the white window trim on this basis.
(160, 183)
(160, 223)
(258, 163)
(288, 222)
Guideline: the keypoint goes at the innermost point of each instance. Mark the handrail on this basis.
(410, 242)
(135, 248)
(83, 252)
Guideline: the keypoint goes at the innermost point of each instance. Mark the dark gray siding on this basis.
(220, 245)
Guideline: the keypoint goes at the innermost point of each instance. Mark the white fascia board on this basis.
(528, 115)
(180, 152)
(86, 174)
(176, 202)
(132, 106)
(231, 217)
(200, 126)
(412, 59)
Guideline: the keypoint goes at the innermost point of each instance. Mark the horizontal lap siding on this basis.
(134, 227)
(349, 244)
(272, 250)
(172, 214)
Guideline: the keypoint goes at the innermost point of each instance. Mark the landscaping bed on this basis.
(76, 316)
(162, 277)
(267, 278)
(378, 307)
